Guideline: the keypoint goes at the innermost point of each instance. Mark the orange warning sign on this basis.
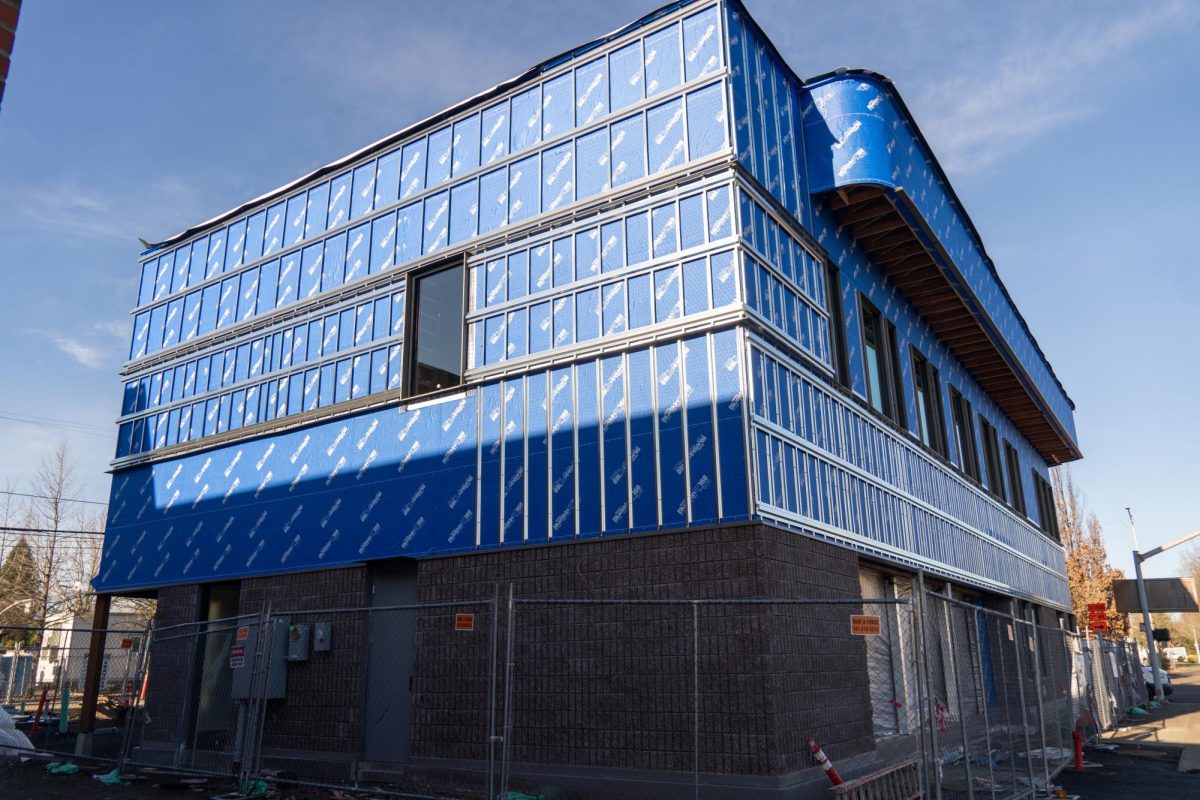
(464, 622)
(864, 624)
(127, 644)
(243, 633)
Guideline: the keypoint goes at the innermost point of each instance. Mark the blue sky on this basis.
(1066, 127)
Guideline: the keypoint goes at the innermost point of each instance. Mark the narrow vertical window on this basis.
(882, 360)
(435, 348)
(874, 360)
(991, 458)
(1047, 513)
(837, 323)
(964, 434)
(1016, 490)
(927, 387)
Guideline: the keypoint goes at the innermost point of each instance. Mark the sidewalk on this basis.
(1151, 752)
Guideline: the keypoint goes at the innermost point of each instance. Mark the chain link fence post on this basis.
(133, 714)
(1035, 647)
(923, 645)
(508, 695)
(492, 737)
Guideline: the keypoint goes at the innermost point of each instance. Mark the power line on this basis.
(48, 497)
(57, 420)
(62, 425)
(48, 531)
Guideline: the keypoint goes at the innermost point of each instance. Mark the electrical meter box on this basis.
(242, 648)
(321, 634)
(297, 646)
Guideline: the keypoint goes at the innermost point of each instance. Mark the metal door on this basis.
(387, 736)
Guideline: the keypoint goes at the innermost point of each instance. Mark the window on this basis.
(964, 434)
(927, 387)
(1015, 488)
(881, 357)
(837, 323)
(1047, 513)
(991, 459)
(435, 347)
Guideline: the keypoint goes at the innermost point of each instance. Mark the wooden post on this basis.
(91, 681)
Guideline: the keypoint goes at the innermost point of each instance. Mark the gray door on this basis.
(390, 650)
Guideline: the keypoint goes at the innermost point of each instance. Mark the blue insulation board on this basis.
(857, 133)
(654, 437)
(820, 459)
(612, 445)
(481, 172)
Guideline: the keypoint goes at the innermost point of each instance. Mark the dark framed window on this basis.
(882, 359)
(837, 323)
(991, 459)
(964, 434)
(434, 352)
(1016, 490)
(927, 388)
(1047, 511)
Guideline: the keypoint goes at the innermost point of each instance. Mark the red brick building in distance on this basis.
(9, 11)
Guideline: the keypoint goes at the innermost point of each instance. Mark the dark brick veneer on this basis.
(611, 686)
(594, 686)
(172, 651)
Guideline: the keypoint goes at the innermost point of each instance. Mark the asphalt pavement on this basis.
(1151, 751)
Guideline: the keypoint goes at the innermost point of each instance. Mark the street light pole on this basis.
(1138, 558)
(1145, 604)
(27, 601)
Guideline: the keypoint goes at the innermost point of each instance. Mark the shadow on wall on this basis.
(571, 450)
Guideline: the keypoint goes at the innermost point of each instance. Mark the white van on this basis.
(1175, 655)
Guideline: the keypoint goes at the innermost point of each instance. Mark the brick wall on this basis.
(322, 712)
(171, 654)
(818, 685)
(611, 686)
(606, 686)
(9, 11)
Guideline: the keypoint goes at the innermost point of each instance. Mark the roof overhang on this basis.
(885, 224)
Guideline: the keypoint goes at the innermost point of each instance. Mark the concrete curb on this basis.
(1189, 759)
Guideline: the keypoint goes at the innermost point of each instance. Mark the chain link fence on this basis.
(42, 674)
(728, 692)
(912, 695)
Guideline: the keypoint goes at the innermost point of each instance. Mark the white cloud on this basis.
(68, 207)
(117, 328)
(86, 354)
(1040, 83)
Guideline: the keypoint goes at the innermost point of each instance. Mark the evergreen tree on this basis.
(20, 588)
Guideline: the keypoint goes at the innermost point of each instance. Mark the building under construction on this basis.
(657, 318)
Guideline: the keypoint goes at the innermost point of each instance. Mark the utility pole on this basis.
(1138, 558)
(1145, 605)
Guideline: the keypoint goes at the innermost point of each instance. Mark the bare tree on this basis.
(1089, 574)
(78, 563)
(53, 482)
(1188, 625)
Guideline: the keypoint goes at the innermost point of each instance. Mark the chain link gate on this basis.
(636, 688)
(196, 713)
(957, 700)
(42, 680)
(293, 697)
